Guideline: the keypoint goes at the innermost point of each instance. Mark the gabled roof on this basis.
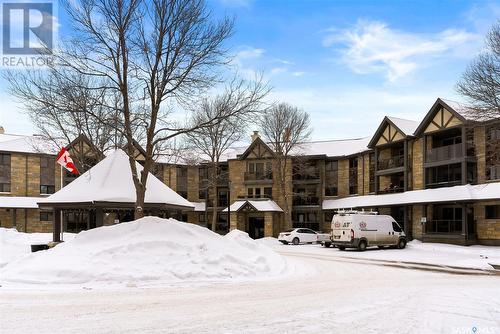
(257, 142)
(110, 181)
(405, 126)
(489, 191)
(257, 205)
(457, 109)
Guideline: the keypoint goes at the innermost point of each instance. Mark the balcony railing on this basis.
(305, 177)
(444, 226)
(309, 200)
(392, 162)
(391, 190)
(448, 152)
(259, 176)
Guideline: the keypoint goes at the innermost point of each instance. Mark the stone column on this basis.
(268, 224)
(56, 237)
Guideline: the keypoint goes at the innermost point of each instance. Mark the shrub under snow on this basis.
(150, 250)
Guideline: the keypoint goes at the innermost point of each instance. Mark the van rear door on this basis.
(341, 229)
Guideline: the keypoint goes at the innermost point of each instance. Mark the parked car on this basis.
(302, 235)
(361, 230)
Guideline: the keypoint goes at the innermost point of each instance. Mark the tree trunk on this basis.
(216, 198)
(139, 203)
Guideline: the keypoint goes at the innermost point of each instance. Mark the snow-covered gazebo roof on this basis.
(110, 182)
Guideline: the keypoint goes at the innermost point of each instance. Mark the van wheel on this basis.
(295, 241)
(381, 247)
(362, 246)
(341, 248)
(327, 244)
(284, 242)
(402, 243)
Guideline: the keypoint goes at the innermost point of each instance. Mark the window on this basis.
(46, 216)
(250, 192)
(201, 218)
(47, 175)
(5, 173)
(157, 171)
(492, 211)
(257, 192)
(202, 194)
(332, 166)
(47, 189)
(353, 176)
(396, 227)
(268, 192)
(371, 171)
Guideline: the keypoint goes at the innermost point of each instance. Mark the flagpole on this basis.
(62, 225)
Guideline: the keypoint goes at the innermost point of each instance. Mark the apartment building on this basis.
(438, 177)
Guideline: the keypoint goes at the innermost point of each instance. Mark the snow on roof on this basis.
(199, 206)
(448, 194)
(333, 148)
(259, 205)
(14, 202)
(111, 181)
(406, 125)
(466, 112)
(27, 144)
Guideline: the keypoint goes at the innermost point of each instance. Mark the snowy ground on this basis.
(323, 292)
(416, 252)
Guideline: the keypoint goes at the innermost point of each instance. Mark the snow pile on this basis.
(149, 250)
(15, 245)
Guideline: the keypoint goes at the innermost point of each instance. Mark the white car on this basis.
(300, 235)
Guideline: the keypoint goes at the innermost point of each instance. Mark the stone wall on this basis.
(487, 230)
(480, 148)
(343, 185)
(417, 165)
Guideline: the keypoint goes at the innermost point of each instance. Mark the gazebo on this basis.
(108, 188)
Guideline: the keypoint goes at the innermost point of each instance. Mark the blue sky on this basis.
(347, 63)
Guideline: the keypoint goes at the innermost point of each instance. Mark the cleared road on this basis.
(331, 296)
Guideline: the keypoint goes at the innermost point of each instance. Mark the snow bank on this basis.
(149, 250)
(15, 245)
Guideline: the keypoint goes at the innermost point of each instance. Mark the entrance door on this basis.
(256, 227)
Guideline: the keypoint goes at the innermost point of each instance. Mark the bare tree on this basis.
(480, 83)
(63, 107)
(285, 127)
(142, 57)
(241, 100)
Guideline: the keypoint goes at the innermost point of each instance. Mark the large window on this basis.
(443, 176)
(371, 172)
(446, 219)
(332, 178)
(492, 211)
(47, 175)
(5, 173)
(182, 181)
(353, 176)
(305, 220)
(493, 152)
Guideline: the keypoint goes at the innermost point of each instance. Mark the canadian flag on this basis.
(65, 160)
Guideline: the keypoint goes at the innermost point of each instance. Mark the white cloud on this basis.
(374, 47)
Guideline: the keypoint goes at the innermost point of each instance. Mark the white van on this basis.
(359, 229)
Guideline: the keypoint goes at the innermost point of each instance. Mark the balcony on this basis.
(391, 190)
(309, 200)
(258, 176)
(449, 152)
(392, 162)
(313, 176)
